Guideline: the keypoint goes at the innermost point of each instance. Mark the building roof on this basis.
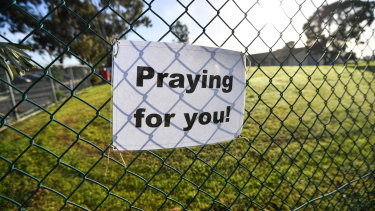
(278, 55)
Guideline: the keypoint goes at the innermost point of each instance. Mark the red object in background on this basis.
(106, 74)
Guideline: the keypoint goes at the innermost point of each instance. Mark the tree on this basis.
(333, 26)
(181, 32)
(80, 26)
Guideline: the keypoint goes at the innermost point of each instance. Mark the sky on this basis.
(269, 24)
(277, 22)
(269, 18)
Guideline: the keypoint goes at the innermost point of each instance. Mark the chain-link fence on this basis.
(44, 93)
(308, 133)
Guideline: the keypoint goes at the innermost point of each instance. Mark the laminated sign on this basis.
(168, 95)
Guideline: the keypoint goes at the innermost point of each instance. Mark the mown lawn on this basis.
(308, 131)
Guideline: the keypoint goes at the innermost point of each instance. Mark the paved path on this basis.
(40, 93)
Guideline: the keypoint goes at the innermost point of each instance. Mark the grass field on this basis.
(308, 131)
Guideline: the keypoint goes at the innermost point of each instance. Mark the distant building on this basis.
(284, 57)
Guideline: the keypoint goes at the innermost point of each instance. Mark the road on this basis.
(41, 94)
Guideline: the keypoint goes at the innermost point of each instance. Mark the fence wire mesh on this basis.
(308, 132)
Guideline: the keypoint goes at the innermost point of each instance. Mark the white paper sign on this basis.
(168, 95)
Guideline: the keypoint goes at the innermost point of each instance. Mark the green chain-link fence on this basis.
(308, 133)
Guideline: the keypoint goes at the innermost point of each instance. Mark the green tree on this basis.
(83, 28)
(181, 31)
(333, 26)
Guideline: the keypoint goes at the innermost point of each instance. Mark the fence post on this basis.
(52, 86)
(85, 74)
(12, 98)
(71, 78)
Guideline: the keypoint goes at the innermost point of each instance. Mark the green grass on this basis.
(312, 139)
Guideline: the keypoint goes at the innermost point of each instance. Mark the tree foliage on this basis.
(83, 28)
(13, 59)
(181, 31)
(333, 26)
